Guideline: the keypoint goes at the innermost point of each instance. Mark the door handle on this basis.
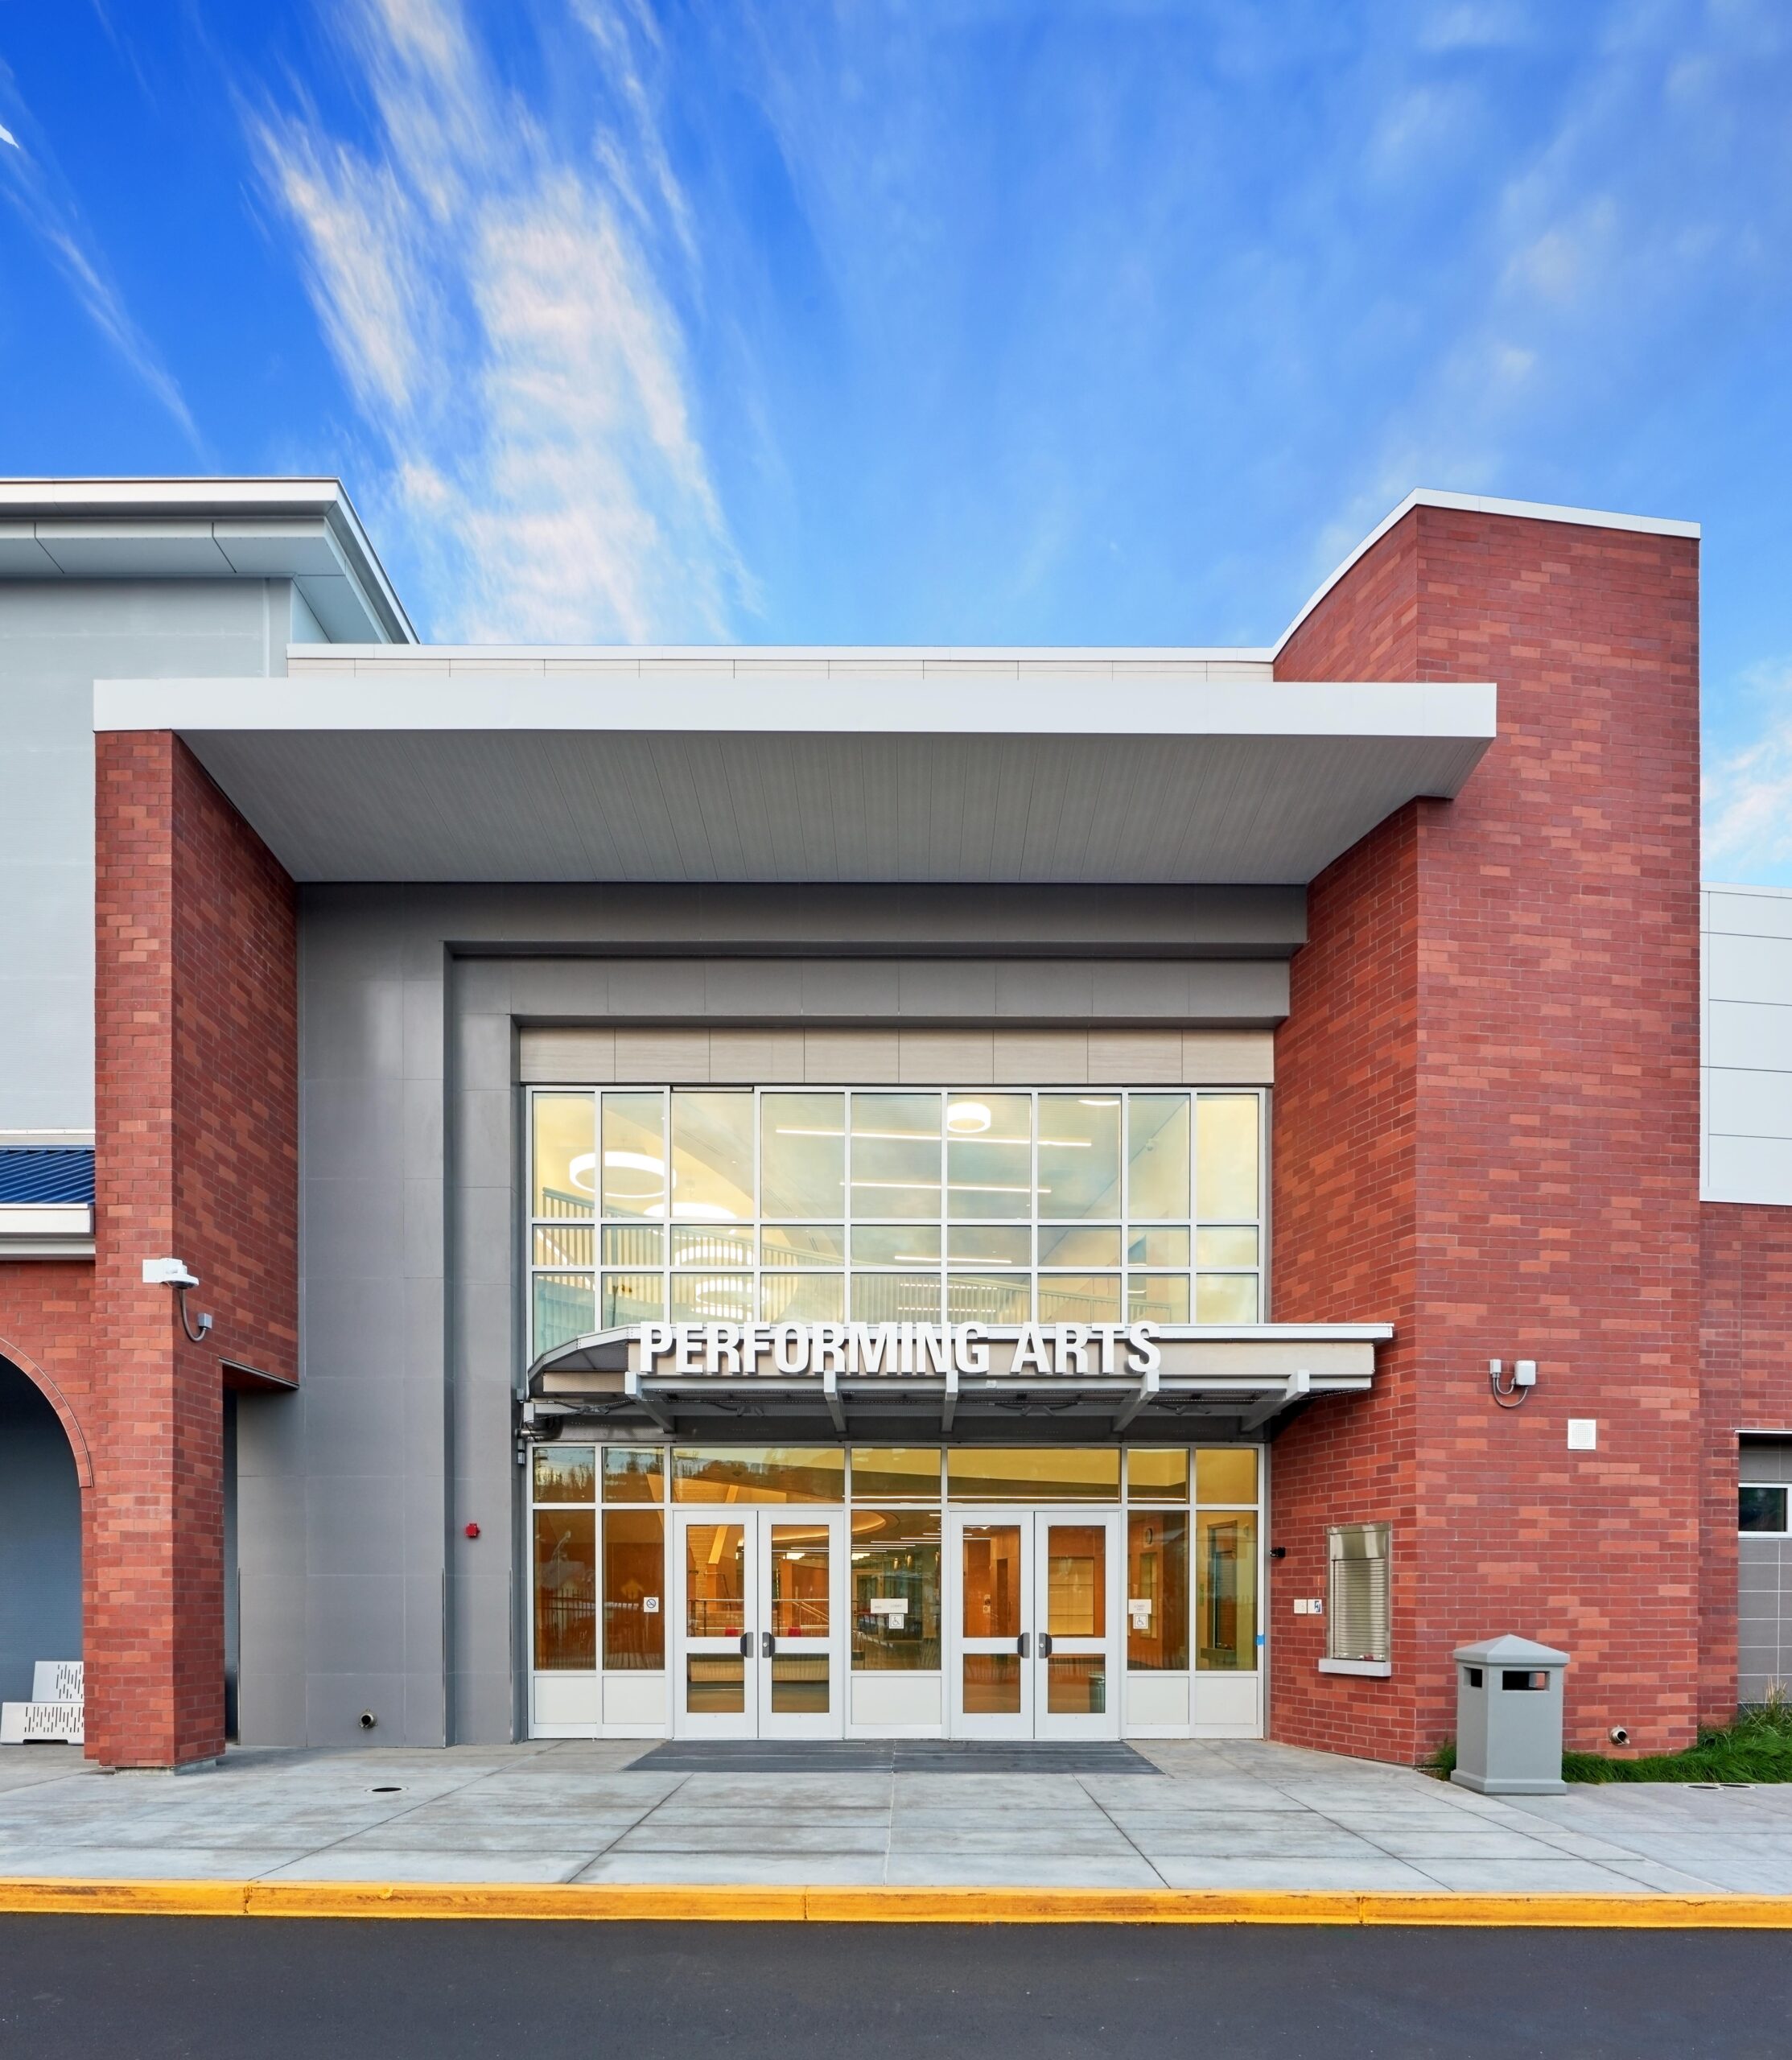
(767, 1645)
(1023, 1642)
(746, 1645)
(1045, 1645)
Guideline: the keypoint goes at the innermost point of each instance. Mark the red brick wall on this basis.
(1533, 1043)
(1747, 1309)
(46, 1330)
(197, 1125)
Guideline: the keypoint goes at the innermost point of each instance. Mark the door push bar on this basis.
(1022, 1644)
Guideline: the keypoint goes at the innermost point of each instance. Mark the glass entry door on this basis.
(1036, 1646)
(759, 1623)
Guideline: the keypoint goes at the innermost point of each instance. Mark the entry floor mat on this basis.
(891, 1755)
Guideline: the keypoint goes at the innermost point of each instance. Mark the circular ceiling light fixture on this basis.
(968, 1119)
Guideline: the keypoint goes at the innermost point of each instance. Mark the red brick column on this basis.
(1487, 1130)
(196, 1109)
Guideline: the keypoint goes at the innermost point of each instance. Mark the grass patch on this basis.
(1757, 1747)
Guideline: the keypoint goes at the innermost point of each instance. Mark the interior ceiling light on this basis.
(968, 1119)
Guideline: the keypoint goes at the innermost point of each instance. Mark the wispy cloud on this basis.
(1748, 791)
(36, 189)
(505, 307)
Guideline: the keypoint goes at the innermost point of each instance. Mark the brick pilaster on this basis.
(1488, 1131)
(195, 1024)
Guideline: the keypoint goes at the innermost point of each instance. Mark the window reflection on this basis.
(634, 1579)
(759, 1473)
(973, 1205)
(992, 1580)
(566, 1588)
(565, 1473)
(715, 1579)
(895, 1157)
(1225, 1602)
(566, 1155)
(1079, 1155)
(565, 1307)
(895, 1588)
(712, 1156)
(989, 1168)
(1157, 1589)
(1225, 1157)
(802, 1155)
(634, 1155)
(1157, 1156)
(634, 1473)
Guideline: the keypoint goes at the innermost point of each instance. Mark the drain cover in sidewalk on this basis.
(889, 1755)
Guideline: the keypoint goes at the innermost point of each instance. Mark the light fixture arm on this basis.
(203, 1320)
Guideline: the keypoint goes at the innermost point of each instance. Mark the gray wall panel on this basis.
(403, 1433)
(56, 638)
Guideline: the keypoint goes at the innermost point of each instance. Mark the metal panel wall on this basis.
(360, 1589)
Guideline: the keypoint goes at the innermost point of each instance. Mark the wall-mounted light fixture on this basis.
(176, 1274)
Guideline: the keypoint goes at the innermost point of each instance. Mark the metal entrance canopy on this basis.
(1241, 1376)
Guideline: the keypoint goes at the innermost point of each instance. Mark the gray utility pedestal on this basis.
(1508, 1717)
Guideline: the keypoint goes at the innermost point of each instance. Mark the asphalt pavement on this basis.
(190, 1989)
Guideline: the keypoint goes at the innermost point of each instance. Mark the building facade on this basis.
(844, 1192)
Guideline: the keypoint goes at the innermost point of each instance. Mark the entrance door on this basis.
(758, 1619)
(1036, 1653)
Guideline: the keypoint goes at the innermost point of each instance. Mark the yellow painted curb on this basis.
(644, 1902)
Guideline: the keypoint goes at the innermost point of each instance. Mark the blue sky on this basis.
(960, 321)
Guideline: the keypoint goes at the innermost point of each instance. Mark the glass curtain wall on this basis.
(816, 1206)
(597, 1521)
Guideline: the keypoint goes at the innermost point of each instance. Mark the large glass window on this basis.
(566, 1588)
(1225, 1599)
(634, 1573)
(598, 1532)
(896, 1588)
(718, 1205)
(759, 1473)
(1157, 1590)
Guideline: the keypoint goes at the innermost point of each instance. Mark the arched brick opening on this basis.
(41, 1546)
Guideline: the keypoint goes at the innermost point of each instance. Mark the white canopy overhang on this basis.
(856, 767)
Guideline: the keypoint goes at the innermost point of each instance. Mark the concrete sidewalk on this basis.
(1231, 1815)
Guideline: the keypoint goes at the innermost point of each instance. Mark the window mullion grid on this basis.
(945, 1104)
(1034, 1120)
(666, 1231)
(1125, 1198)
(757, 1214)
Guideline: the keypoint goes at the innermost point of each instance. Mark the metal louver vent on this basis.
(1357, 1611)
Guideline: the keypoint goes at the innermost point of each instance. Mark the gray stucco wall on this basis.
(56, 638)
(40, 1537)
(358, 1588)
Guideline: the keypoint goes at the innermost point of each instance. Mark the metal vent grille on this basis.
(1357, 1610)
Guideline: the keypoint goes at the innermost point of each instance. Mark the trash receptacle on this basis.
(1508, 1717)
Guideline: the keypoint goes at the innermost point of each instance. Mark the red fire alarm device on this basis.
(472, 1530)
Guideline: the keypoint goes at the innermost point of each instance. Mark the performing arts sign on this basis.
(1025, 1351)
